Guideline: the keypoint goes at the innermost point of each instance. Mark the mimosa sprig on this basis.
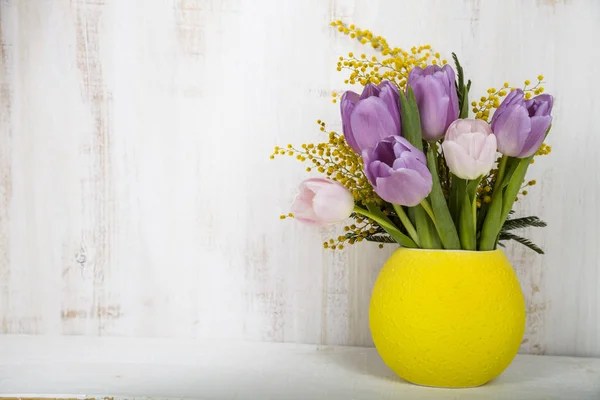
(412, 167)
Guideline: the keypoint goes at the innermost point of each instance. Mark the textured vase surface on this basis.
(447, 318)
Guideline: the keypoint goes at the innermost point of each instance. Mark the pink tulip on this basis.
(322, 202)
(470, 148)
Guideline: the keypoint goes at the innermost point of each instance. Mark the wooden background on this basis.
(137, 197)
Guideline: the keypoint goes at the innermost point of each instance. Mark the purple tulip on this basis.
(372, 116)
(398, 171)
(436, 97)
(520, 125)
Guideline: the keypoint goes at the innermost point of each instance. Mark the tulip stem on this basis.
(388, 226)
(472, 197)
(474, 206)
(501, 169)
(492, 224)
(429, 211)
(407, 224)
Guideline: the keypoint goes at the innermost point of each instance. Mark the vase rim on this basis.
(450, 250)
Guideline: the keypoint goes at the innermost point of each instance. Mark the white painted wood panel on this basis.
(137, 197)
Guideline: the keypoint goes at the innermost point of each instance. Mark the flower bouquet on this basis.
(421, 166)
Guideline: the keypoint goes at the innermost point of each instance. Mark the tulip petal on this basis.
(512, 128)
(322, 202)
(316, 184)
(405, 187)
(384, 152)
(453, 111)
(347, 104)
(539, 126)
(477, 144)
(302, 207)
(379, 169)
(459, 161)
(369, 91)
(391, 97)
(487, 156)
(540, 105)
(433, 103)
(333, 204)
(515, 97)
(412, 161)
(371, 122)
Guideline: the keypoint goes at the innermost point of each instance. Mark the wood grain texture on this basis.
(107, 368)
(136, 193)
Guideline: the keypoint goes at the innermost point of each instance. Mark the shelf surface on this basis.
(133, 368)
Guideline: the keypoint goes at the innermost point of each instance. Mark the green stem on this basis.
(466, 228)
(380, 221)
(491, 225)
(389, 227)
(474, 206)
(513, 187)
(407, 224)
(457, 188)
(429, 211)
(501, 170)
(472, 198)
(428, 237)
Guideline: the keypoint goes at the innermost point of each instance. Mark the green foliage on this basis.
(381, 238)
(462, 90)
(524, 222)
(519, 223)
(522, 240)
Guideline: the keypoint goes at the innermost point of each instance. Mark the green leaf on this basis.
(411, 122)
(522, 240)
(464, 103)
(444, 223)
(428, 238)
(524, 222)
(457, 187)
(472, 187)
(462, 90)
(411, 130)
(378, 216)
(490, 229)
(459, 71)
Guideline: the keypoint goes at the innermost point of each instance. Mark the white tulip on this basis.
(322, 202)
(470, 148)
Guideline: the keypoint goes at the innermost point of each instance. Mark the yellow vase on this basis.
(447, 318)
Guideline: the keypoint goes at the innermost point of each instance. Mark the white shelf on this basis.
(40, 366)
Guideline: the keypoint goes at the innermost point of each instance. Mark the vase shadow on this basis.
(361, 361)
(540, 371)
(526, 369)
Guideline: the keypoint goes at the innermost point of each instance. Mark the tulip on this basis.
(398, 171)
(322, 202)
(372, 116)
(470, 148)
(520, 125)
(435, 92)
